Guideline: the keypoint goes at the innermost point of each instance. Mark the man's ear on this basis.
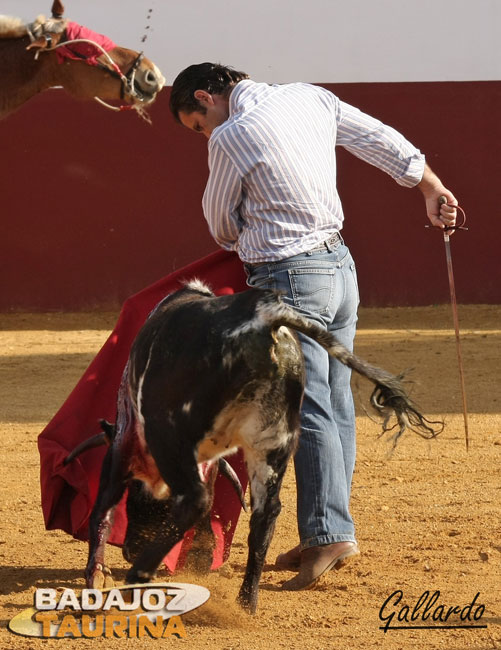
(204, 97)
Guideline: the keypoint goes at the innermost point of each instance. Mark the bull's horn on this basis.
(95, 441)
(227, 470)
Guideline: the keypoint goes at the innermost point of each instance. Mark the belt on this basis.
(324, 246)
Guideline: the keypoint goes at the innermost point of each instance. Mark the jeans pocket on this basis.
(257, 281)
(312, 288)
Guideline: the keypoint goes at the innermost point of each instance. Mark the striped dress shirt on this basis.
(271, 192)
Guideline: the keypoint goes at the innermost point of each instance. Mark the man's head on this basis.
(200, 95)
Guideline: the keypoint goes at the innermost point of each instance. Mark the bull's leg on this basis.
(266, 472)
(112, 484)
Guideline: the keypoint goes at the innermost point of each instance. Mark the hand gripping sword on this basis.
(452, 289)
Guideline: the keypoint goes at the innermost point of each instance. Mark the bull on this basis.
(206, 376)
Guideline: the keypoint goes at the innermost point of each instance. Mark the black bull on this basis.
(207, 375)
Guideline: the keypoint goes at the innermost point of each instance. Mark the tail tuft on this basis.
(389, 398)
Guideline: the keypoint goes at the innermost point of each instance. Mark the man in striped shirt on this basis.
(271, 196)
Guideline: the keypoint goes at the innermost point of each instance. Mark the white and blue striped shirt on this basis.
(271, 191)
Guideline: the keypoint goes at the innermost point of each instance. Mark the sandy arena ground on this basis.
(427, 518)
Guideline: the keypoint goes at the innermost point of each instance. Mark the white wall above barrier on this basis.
(318, 41)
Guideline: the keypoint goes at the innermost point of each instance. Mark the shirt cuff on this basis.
(414, 173)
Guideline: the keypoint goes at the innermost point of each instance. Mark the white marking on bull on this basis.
(248, 326)
(198, 285)
(262, 475)
(140, 390)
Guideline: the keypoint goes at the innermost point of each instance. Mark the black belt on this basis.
(324, 246)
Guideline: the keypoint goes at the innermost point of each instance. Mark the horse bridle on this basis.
(127, 79)
(130, 77)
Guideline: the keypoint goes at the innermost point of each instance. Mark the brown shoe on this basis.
(290, 561)
(317, 560)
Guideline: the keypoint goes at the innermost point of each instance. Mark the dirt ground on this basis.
(427, 517)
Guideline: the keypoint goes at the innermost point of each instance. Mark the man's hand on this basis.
(440, 215)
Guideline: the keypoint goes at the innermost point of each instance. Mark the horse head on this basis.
(62, 48)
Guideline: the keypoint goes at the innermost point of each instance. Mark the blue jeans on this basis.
(323, 287)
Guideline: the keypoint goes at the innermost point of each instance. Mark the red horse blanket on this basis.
(85, 51)
(68, 493)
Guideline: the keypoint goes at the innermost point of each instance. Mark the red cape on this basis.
(68, 493)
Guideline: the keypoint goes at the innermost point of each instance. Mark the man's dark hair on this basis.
(216, 79)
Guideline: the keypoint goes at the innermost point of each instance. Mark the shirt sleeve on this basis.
(379, 145)
(222, 198)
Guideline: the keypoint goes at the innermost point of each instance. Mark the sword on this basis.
(452, 289)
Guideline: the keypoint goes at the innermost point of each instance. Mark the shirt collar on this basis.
(238, 96)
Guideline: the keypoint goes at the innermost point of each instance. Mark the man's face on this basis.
(216, 112)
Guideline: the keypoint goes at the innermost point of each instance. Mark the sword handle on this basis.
(442, 200)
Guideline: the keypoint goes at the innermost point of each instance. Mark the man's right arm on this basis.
(379, 144)
(222, 198)
(384, 147)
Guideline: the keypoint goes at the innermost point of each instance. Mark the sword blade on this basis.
(456, 329)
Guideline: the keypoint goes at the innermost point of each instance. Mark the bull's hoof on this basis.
(100, 578)
(248, 602)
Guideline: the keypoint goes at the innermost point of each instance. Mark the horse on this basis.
(57, 52)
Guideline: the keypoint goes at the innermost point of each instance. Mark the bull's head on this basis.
(145, 517)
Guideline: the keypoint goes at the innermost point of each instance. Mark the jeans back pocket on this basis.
(312, 288)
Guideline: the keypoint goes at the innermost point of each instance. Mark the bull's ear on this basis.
(57, 9)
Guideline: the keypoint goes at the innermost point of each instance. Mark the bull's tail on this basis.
(388, 397)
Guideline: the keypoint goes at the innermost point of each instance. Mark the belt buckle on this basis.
(333, 239)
